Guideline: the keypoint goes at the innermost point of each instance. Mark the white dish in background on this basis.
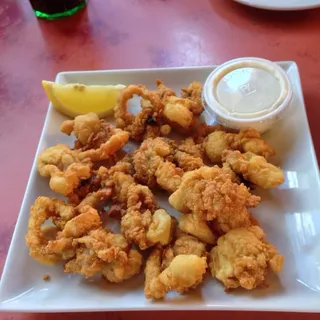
(290, 215)
(282, 5)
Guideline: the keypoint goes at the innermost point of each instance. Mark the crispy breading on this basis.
(64, 168)
(247, 140)
(253, 168)
(193, 224)
(243, 258)
(184, 273)
(211, 194)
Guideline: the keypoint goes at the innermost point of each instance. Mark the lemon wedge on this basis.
(73, 99)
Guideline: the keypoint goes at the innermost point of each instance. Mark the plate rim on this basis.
(315, 307)
(275, 8)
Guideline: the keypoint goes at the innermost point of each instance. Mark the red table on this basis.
(113, 34)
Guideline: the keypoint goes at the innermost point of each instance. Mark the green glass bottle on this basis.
(55, 9)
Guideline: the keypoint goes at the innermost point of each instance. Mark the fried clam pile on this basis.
(180, 266)
(205, 173)
(67, 167)
(160, 111)
(77, 237)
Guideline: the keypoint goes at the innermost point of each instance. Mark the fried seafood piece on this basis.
(101, 251)
(243, 258)
(247, 140)
(38, 237)
(210, 193)
(143, 224)
(177, 113)
(121, 184)
(181, 112)
(161, 162)
(190, 147)
(188, 155)
(125, 165)
(253, 168)
(51, 244)
(106, 179)
(96, 199)
(88, 186)
(118, 271)
(194, 92)
(147, 159)
(96, 139)
(203, 130)
(184, 273)
(152, 167)
(87, 219)
(168, 176)
(187, 162)
(186, 244)
(85, 128)
(182, 243)
(149, 118)
(193, 224)
(163, 91)
(64, 168)
(234, 176)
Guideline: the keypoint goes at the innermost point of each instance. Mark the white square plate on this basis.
(289, 215)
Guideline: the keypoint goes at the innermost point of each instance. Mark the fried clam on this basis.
(64, 167)
(104, 178)
(86, 187)
(104, 252)
(143, 223)
(193, 224)
(253, 168)
(194, 92)
(183, 273)
(188, 155)
(97, 140)
(162, 267)
(247, 140)
(161, 162)
(181, 113)
(210, 193)
(153, 164)
(68, 222)
(148, 122)
(242, 258)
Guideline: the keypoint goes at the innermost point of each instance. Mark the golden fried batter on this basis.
(148, 118)
(253, 168)
(37, 238)
(151, 167)
(186, 244)
(247, 140)
(102, 251)
(70, 222)
(211, 194)
(64, 168)
(96, 139)
(142, 224)
(194, 92)
(184, 272)
(118, 271)
(177, 112)
(243, 258)
(193, 224)
(84, 127)
(168, 176)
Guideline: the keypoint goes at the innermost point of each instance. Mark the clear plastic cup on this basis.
(247, 93)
